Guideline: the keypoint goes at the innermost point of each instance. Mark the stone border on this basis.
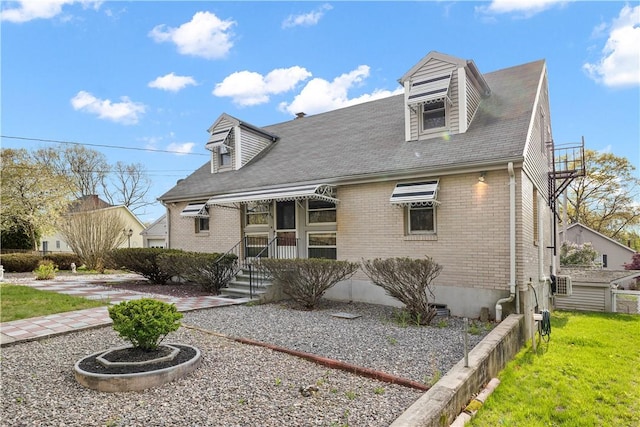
(448, 397)
(137, 381)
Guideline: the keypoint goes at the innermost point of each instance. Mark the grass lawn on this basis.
(587, 375)
(23, 302)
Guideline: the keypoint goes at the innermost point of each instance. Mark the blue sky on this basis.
(153, 76)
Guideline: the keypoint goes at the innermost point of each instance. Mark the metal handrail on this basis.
(257, 276)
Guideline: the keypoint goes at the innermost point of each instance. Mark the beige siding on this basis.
(537, 158)
(215, 166)
(473, 100)
(431, 69)
(584, 297)
(478, 257)
(224, 230)
(252, 145)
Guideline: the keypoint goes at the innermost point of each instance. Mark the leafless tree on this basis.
(92, 233)
(85, 168)
(127, 186)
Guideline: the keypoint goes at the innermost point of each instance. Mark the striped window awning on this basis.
(217, 138)
(195, 210)
(315, 192)
(429, 90)
(423, 193)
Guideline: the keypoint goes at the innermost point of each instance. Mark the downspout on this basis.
(512, 246)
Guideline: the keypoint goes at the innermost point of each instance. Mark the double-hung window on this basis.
(434, 115)
(257, 213)
(322, 244)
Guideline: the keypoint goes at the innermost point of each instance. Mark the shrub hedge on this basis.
(145, 261)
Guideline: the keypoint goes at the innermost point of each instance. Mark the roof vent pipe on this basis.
(512, 246)
(300, 115)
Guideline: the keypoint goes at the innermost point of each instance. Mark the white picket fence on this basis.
(623, 301)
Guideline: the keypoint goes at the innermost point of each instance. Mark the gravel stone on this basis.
(239, 384)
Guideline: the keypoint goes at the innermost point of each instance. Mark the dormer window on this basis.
(224, 156)
(433, 115)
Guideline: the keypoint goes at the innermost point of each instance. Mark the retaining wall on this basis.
(448, 397)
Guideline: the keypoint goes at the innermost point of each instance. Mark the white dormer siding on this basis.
(442, 95)
(242, 142)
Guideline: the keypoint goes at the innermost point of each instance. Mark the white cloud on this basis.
(28, 10)
(251, 88)
(172, 83)
(206, 36)
(527, 8)
(320, 95)
(620, 61)
(126, 112)
(181, 148)
(306, 19)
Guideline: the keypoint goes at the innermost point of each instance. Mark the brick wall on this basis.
(224, 230)
(472, 223)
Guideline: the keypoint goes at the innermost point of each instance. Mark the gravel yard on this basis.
(239, 384)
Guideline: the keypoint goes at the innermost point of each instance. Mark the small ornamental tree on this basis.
(306, 280)
(577, 255)
(635, 262)
(409, 281)
(145, 322)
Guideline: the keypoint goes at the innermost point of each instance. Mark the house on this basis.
(155, 236)
(55, 242)
(612, 255)
(458, 168)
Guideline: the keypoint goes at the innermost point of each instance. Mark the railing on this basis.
(623, 301)
(249, 251)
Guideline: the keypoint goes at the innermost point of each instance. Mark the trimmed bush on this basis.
(46, 270)
(212, 271)
(145, 322)
(64, 260)
(20, 263)
(409, 281)
(306, 280)
(144, 261)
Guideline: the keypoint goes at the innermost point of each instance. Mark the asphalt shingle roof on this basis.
(368, 139)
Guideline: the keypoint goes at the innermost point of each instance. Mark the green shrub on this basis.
(144, 261)
(211, 271)
(46, 270)
(64, 260)
(20, 263)
(145, 322)
(306, 280)
(409, 281)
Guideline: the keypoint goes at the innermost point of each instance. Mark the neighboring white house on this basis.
(55, 242)
(612, 255)
(155, 236)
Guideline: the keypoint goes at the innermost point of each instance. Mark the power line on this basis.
(24, 138)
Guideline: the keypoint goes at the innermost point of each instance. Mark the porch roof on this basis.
(315, 192)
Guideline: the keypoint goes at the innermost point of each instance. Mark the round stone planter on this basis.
(100, 372)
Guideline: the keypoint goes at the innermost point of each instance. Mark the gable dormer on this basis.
(442, 94)
(234, 143)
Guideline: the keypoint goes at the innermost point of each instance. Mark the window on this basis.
(604, 261)
(202, 224)
(433, 115)
(224, 159)
(57, 244)
(421, 219)
(320, 211)
(322, 245)
(257, 213)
